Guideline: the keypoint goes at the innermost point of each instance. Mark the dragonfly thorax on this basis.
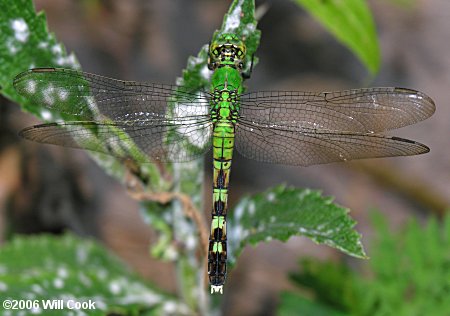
(225, 105)
(227, 50)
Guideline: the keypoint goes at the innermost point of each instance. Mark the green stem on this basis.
(188, 179)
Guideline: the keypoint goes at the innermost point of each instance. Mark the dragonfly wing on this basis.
(306, 147)
(165, 122)
(163, 141)
(361, 110)
(91, 97)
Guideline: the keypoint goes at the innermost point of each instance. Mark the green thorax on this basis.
(226, 86)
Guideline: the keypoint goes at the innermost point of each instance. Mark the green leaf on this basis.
(282, 212)
(408, 273)
(52, 268)
(351, 22)
(294, 304)
(410, 270)
(240, 20)
(26, 43)
(333, 282)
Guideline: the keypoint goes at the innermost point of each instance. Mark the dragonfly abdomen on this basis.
(223, 144)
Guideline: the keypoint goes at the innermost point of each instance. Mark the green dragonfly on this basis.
(168, 123)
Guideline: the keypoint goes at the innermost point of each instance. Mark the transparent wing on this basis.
(361, 110)
(159, 141)
(88, 96)
(166, 122)
(306, 147)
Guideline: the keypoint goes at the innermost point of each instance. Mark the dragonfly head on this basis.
(227, 50)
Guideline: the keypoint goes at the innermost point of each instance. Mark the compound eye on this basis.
(241, 65)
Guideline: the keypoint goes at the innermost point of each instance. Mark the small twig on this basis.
(188, 208)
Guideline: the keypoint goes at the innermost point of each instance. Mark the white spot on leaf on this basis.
(20, 28)
(82, 255)
(114, 287)
(49, 95)
(171, 253)
(248, 29)
(205, 73)
(84, 280)
(35, 310)
(191, 242)
(251, 208)
(239, 211)
(43, 45)
(58, 283)
(67, 61)
(12, 48)
(31, 86)
(63, 94)
(170, 307)
(62, 272)
(190, 126)
(57, 49)
(92, 105)
(37, 289)
(3, 287)
(234, 18)
(102, 274)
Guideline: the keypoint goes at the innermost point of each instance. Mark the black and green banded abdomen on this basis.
(223, 144)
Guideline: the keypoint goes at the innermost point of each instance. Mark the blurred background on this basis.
(44, 188)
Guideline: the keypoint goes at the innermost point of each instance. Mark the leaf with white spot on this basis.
(25, 43)
(239, 20)
(67, 267)
(283, 212)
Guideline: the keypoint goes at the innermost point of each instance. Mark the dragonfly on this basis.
(169, 123)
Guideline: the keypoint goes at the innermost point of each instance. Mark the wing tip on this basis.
(25, 133)
(28, 131)
(20, 76)
(427, 99)
(421, 148)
